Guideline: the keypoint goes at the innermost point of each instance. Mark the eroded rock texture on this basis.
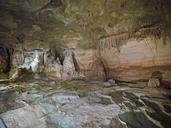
(4, 60)
(137, 59)
(54, 63)
(124, 40)
(33, 60)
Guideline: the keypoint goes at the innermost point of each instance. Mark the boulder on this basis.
(153, 82)
(26, 117)
(112, 82)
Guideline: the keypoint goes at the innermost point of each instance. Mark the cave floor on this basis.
(83, 104)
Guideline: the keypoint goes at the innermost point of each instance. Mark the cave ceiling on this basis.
(78, 23)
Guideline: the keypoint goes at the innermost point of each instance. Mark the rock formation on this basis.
(85, 63)
(4, 59)
(111, 39)
(33, 60)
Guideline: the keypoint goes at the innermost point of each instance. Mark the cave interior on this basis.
(85, 63)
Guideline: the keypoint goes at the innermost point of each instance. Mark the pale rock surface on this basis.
(68, 64)
(65, 97)
(69, 69)
(95, 110)
(33, 61)
(26, 117)
(137, 60)
(153, 82)
(62, 70)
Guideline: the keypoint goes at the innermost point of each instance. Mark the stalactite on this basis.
(148, 27)
(113, 41)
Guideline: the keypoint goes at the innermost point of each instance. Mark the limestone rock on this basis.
(26, 117)
(63, 98)
(63, 68)
(52, 64)
(81, 114)
(33, 60)
(17, 58)
(154, 83)
(68, 65)
(138, 61)
(96, 97)
(112, 82)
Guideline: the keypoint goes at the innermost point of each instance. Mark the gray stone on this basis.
(137, 85)
(96, 97)
(65, 97)
(26, 117)
(137, 120)
(84, 115)
(2, 124)
(69, 69)
(59, 120)
(49, 107)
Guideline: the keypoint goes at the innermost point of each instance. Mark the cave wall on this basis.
(137, 34)
(136, 60)
(90, 64)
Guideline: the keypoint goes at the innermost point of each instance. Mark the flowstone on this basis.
(33, 60)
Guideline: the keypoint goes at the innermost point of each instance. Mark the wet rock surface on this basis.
(83, 104)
